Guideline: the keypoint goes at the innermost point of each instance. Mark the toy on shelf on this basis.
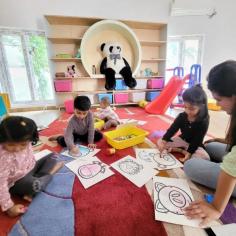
(148, 72)
(71, 71)
(78, 54)
(113, 63)
(63, 55)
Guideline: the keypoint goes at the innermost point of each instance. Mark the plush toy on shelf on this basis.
(78, 54)
(71, 71)
(113, 63)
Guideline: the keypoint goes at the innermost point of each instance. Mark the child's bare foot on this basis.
(53, 138)
(57, 167)
(28, 198)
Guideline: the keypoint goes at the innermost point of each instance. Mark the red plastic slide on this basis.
(164, 100)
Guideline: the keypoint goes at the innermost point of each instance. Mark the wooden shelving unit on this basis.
(55, 59)
(152, 43)
(65, 36)
(153, 60)
(64, 40)
(111, 91)
(102, 77)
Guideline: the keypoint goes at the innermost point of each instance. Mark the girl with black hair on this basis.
(222, 177)
(20, 174)
(193, 124)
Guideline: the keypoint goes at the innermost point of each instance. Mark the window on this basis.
(183, 51)
(25, 74)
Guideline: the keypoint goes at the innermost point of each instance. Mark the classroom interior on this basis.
(52, 52)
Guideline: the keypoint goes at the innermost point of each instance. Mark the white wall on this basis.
(219, 31)
(29, 13)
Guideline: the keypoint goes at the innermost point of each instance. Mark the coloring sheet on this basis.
(132, 121)
(85, 152)
(90, 171)
(170, 197)
(134, 170)
(153, 159)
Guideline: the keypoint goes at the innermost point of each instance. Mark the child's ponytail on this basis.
(18, 129)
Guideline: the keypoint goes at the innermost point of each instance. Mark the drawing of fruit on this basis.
(88, 171)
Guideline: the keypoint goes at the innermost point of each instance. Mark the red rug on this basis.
(114, 206)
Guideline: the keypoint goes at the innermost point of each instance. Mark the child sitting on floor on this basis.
(80, 127)
(107, 114)
(193, 124)
(20, 174)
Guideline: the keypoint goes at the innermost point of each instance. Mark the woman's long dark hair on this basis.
(222, 81)
(18, 129)
(197, 96)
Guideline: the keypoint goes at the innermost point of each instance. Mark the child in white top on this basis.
(107, 114)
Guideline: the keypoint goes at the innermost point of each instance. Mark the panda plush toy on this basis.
(113, 63)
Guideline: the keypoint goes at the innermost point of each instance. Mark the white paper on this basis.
(227, 230)
(90, 171)
(132, 121)
(85, 152)
(134, 170)
(41, 154)
(153, 159)
(171, 196)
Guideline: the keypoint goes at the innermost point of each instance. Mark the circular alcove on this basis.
(109, 31)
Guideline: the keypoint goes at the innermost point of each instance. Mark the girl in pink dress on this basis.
(20, 174)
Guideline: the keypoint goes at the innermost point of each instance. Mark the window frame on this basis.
(5, 79)
(181, 39)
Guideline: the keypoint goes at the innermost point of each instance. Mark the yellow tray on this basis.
(213, 106)
(139, 137)
(98, 124)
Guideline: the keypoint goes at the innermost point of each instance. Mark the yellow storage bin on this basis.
(126, 136)
(212, 105)
(98, 124)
